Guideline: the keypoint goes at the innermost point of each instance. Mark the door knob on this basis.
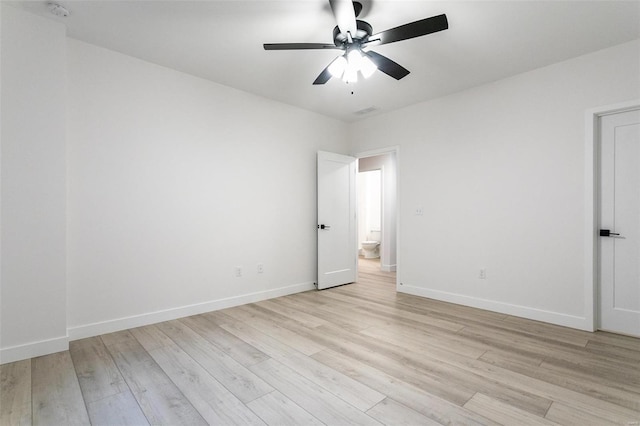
(607, 233)
(323, 226)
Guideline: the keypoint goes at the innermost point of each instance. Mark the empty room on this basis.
(320, 212)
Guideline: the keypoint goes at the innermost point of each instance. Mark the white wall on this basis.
(173, 182)
(500, 173)
(33, 305)
(387, 163)
(369, 206)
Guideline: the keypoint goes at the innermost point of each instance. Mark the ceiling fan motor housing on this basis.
(362, 34)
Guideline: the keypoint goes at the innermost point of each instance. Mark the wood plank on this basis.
(264, 323)
(218, 317)
(212, 400)
(390, 412)
(586, 365)
(421, 401)
(617, 340)
(548, 331)
(351, 391)
(414, 365)
(150, 337)
(158, 397)
(97, 373)
(105, 392)
(349, 323)
(234, 376)
(278, 410)
(266, 344)
(278, 306)
(118, 409)
(15, 393)
(446, 310)
(513, 361)
(502, 412)
(375, 354)
(622, 354)
(313, 398)
(381, 311)
(355, 320)
(236, 348)
(598, 386)
(392, 357)
(306, 299)
(531, 346)
(425, 339)
(547, 390)
(123, 336)
(449, 311)
(565, 415)
(355, 393)
(56, 396)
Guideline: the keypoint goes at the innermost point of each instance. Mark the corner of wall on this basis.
(33, 185)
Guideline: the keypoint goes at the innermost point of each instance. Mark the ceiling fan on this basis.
(355, 37)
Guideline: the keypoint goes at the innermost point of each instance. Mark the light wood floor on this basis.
(357, 354)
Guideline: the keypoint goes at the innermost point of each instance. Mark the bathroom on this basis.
(377, 210)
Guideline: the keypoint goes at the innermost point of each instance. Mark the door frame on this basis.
(381, 151)
(592, 208)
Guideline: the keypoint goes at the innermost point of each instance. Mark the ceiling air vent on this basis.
(366, 110)
(58, 10)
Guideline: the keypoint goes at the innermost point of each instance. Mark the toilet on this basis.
(371, 247)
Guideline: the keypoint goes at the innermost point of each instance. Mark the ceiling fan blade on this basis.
(298, 46)
(387, 66)
(324, 76)
(410, 30)
(345, 16)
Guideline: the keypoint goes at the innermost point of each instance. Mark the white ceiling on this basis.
(222, 41)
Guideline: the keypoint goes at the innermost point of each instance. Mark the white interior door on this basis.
(337, 244)
(620, 219)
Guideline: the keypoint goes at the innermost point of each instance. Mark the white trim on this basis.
(376, 152)
(98, 328)
(501, 307)
(388, 268)
(46, 347)
(591, 175)
(34, 349)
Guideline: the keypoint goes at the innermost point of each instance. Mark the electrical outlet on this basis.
(419, 211)
(483, 274)
(260, 268)
(238, 270)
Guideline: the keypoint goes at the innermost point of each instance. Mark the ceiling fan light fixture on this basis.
(355, 37)
(338, 66)
(350, 75)
(355, 58)
(367, 67)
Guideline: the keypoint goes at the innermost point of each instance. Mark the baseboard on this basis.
(388, 268)
(551, 317)
(98, 328)
(34, 349)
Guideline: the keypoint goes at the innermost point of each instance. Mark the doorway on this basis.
(619, 227)
(377, 215)
(369, 214)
